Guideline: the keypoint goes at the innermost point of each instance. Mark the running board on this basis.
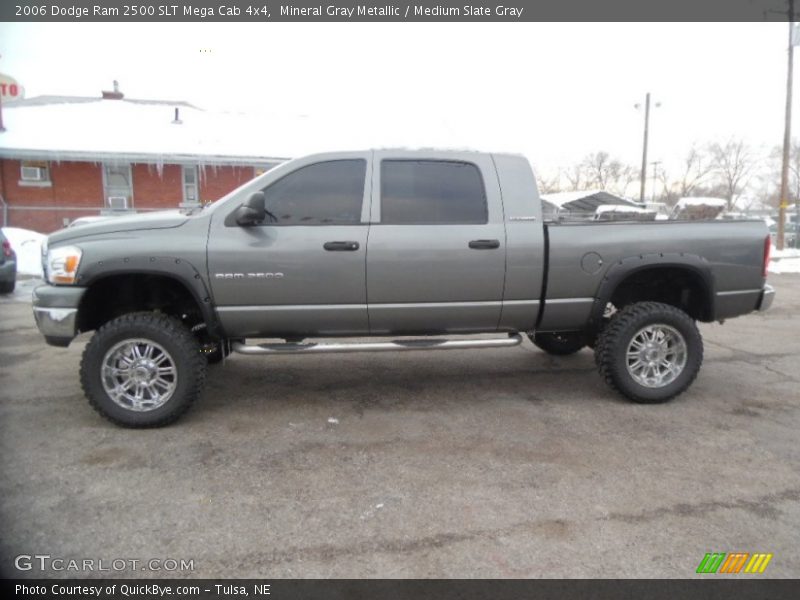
(514, 339)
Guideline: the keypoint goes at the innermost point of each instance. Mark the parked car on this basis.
(387, 243)
(8, 266)
(789, 235)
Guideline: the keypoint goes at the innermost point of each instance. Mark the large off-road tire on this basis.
(6, 287)
(650, 352)
(559, 344)
(143, 370)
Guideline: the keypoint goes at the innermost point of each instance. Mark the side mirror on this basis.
(253, 211)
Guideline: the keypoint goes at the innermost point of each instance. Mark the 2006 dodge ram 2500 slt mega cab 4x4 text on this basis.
(387, 244)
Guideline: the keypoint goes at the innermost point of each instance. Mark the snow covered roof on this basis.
(621, 208)
(701, 201)
(95, 129)
(584, 200)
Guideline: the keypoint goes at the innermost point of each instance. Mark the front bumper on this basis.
(766, 298)
(56, 312)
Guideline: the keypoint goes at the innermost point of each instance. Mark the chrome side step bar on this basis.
(514, 339)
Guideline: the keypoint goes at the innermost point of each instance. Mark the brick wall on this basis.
(75, 187)
(152, 189)
(45, 221)
(77, 184)
(76, 190)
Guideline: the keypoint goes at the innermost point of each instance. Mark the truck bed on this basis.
(581, 254)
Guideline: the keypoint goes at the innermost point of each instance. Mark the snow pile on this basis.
(784, 261)
(698, 209)
(28, 246)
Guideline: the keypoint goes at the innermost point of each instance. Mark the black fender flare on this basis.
(631, 265)
(177, 269)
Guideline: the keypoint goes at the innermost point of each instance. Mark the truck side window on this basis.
(325, 193)
(426, 192)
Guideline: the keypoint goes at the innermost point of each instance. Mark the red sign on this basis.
(10, 89)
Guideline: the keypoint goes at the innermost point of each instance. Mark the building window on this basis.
(190, 187)
(34, 173)
(117, 184)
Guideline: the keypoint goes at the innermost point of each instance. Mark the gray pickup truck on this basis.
(425, 247)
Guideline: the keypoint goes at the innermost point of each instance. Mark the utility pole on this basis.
(787, 134)
(644, 145)
(655, 164)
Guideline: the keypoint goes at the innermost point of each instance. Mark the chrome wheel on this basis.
(139, 375)
(656, 356)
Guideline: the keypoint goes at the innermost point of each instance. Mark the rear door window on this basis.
(430, 192)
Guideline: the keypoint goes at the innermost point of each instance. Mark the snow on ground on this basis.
(28, 246)
(785, 261)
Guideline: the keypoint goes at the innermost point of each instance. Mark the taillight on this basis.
(6, 248)
(767, 250)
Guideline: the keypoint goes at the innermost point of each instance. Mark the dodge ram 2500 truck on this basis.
(421, 246)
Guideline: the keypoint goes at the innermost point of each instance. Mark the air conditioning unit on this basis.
(118, 202)
(34, 174)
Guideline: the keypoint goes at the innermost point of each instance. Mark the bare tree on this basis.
(696, 167)
(575, 176)
(548, 185)
(733, 163)
(607, 173)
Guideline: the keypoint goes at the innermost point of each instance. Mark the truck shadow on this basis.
(416, 380)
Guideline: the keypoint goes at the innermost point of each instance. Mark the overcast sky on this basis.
(552, 91)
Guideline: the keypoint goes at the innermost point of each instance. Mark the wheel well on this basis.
(116, 295)
(682, 288)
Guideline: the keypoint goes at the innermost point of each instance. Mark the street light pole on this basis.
(644, 146)
(787, 135)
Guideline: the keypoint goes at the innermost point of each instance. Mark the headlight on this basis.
(62, 264)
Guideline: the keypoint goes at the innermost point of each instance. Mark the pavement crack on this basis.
(552, 528)
(763, 506)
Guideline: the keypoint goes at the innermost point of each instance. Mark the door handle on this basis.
(341, 246)
(484, 244)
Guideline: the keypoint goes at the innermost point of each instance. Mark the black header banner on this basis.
(229, 11)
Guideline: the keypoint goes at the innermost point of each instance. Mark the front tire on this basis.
(649, 352)
(142, 370)
(559, 344)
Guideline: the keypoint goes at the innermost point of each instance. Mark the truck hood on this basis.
(163, 219)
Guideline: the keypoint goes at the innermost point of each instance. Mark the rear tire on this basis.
(559, 344)
(649, 352)
(142, 370)
(7, 287)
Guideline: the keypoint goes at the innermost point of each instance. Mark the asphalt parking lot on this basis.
(498, 463)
